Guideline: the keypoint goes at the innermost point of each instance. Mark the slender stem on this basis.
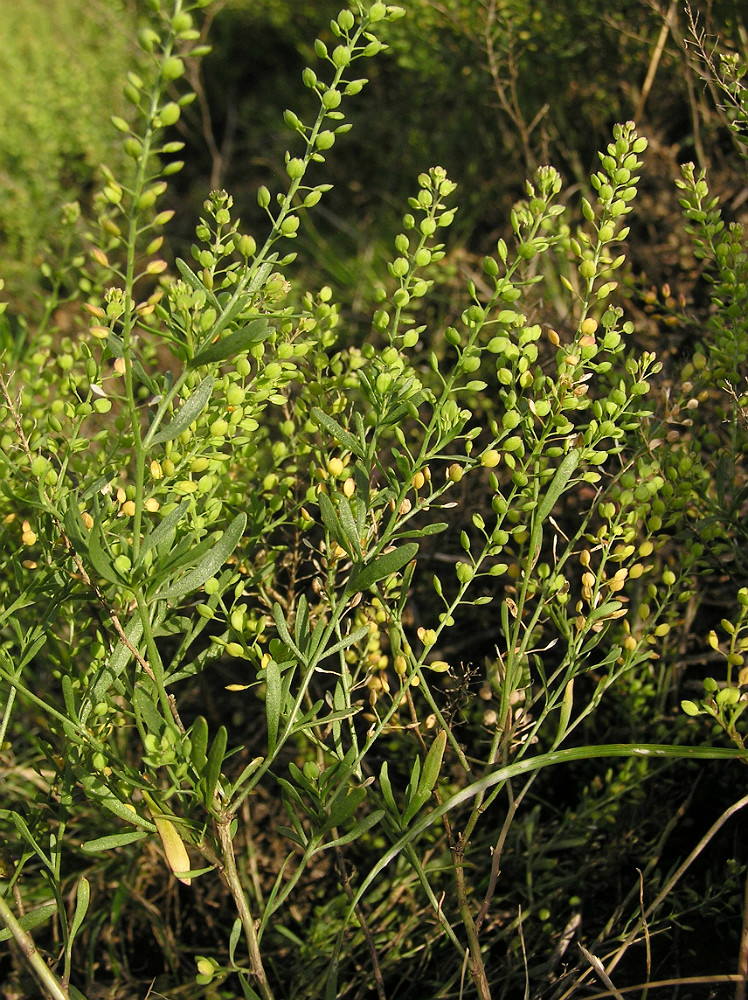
(48, 981)
(154, 657)
(475, 962)
(370, 942)
(231, 875)
(743, 950)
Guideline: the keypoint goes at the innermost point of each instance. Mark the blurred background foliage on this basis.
(61, 65)
(489, 89)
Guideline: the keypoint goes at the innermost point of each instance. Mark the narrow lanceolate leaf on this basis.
(82, 899)
(195, 282)
(165, 529)
(113, 841)
(273, 702)
(555, 489)
(343, 809)
(210, 563)
(340, 434)
(382, 567)
(98, 556)
(32, 919)
(214, 763)
(189, 410)
(356, 635)
(349, 525)
(330, 520)
(566, 706)
(199, 743)
(386, 787)
(360, 828)
(283, 631)
(234, 343)
(558, 484)
(429, 775)
(176, 853)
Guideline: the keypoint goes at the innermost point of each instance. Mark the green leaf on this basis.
(99, 793)
(195, 282)
(382, 567)
(342, 436)
(199, 743)
(146, 703)
(22, 827)
(31, 647)
(189, 411)
(235, 343)
(349, 640)
(366, 824)
(236, 932)
(429, 775)
(68, 696)
(245, 775)
(273, 702)
(301, 623)
(330, 520)
(386, 785)
(556, 487)
(249, 993)
(428, 529)
(95, 487)
(316, 638)
(107, 676)
(344, 808)
(558, 483)
(163, 531)
(211, 562)
(99, 557)
(349, 525)
(214, 764)
(32, 919)
(113, 841)
(281, 625)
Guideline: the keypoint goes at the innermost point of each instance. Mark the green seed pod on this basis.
(345, 20)
(169, 114)
(172, 68)
(331, 99)
(325, 140)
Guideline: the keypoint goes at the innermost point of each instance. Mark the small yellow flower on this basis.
(28, 535)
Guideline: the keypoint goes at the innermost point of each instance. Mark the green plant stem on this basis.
(740, 989)
(48, 981)
(128, 321)
(475, 961)
(370, 942)
(231, 875)
(154, 657)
